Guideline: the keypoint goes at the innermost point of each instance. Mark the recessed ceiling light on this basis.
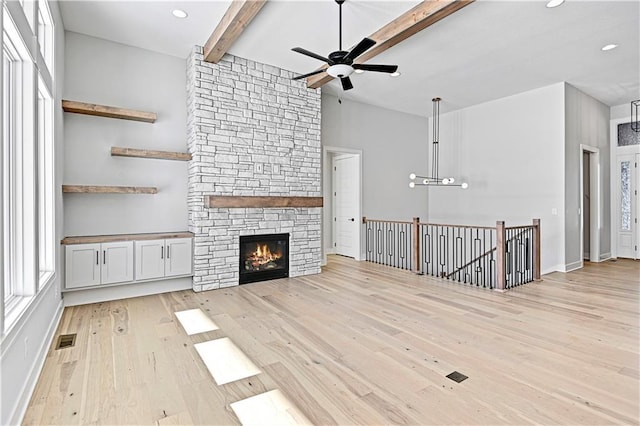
(609, 47)
(179, 13)
(554, 3)
(395, 74)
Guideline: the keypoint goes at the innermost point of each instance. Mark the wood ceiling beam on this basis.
(409, 23)
(235, 20)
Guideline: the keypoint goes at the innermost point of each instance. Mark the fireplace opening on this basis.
(263, 257)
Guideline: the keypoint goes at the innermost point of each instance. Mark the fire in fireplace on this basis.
(263, 257)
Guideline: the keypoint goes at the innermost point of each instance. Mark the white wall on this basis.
(621, 111)
(103, 72)
(24, 347)
(393, 145)
(587, 123)
(511, 152)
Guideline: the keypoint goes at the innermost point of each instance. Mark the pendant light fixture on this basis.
(434, 179)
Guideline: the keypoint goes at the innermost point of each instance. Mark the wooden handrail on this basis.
(459, 226)
(366, 219)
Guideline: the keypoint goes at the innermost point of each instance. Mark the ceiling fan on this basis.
(341, 62)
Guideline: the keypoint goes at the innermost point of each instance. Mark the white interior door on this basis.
(627, 202)
(346, 179)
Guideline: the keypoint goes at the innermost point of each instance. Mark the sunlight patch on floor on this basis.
(195, 321)
(225, 361)
(269, 408)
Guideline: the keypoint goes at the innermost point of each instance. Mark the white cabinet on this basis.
(82, 265)
(178, 259)
(117, 262)
(95, 264)
(163, 258)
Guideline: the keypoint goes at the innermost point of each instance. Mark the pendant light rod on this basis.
(436, 137)
(340, 19)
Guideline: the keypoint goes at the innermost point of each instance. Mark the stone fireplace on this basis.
(252, 131)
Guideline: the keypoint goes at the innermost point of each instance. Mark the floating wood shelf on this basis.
(92, 239)
(248, 201)
(108, 111)
(95, 189)
(117, 151)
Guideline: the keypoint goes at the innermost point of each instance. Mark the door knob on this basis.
(352, 219)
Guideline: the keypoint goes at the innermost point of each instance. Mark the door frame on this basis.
(327, 180)
(614, 181)
(594, 205)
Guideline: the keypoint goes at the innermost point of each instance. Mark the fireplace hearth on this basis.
(263, 257)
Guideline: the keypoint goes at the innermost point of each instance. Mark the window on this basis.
(46, 179)
(45, 33)
(27, 218)
(7, 100)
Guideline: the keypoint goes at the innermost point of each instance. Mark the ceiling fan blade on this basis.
(346, 83)
(360, 48)
(313, 55)
(377, 68)
(299, 77)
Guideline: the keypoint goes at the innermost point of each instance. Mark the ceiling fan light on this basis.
(340, 70)
(554, 3)
(179, 13)
(358, 71)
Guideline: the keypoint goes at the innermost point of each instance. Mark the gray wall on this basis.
(103, 72)
(587, 123)
(25, 346)
(511, 152)
(393, 145)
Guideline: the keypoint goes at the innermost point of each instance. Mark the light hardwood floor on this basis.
(361, 344)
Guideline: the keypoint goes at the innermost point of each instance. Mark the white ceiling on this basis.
(487, 50)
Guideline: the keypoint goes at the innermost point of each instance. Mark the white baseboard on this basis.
(34, 373)
(605, 256)
(96, 295)
(573, 266)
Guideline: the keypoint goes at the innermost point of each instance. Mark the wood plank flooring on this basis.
(361, 344)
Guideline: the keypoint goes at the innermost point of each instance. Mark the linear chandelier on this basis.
(434, 179)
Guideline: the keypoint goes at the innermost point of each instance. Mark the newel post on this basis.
(536, 249)
(416, 245)
(501, 256)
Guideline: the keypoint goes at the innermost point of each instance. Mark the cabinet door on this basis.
(149, 259)
(82, 263)
(178, 257)
(117, 262)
